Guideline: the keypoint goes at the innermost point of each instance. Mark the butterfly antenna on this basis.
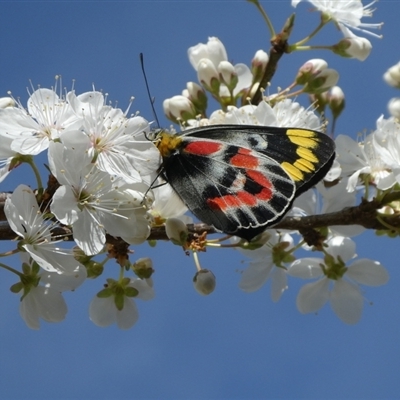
(152, 99)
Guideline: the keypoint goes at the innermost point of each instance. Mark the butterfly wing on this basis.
(237, 190)
(306, 155)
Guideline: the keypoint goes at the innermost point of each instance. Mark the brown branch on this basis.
(364, 215)
(279, 47)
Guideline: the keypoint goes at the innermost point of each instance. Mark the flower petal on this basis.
(368, 272)
(306, 268)
(278, 283)
(255, 275)
(102, 311)
(313, 296)
(128, 316)
(346, 301)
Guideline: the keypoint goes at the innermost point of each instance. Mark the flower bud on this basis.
(310, 70)
(258, 65)
(394, 107)
(179, 108)
(143, 268)
(336, 101)
(214, 51)
(176, 231)
(6, 102)
(208, 76)
(392, 76)
(204, 282)
(94, 269)
(323, 82)
(353, 47)
(227, 74)
(196, 94)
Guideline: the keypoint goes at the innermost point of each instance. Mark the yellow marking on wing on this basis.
(293, 171)
(304, 165)
(302, 137)
(307, 155)
(305, 133)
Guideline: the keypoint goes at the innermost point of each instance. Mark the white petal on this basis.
(21, 210)
(306, 268)
(102, 311)
(313, 296)
(346, 301)
(53, 259)
(146, 292)
(343, 247)
(278, 283)
(368, 272)
(43, 303)
(255, 275)
(89, 234)
(128, 316)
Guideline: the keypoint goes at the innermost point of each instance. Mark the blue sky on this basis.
(229, 345)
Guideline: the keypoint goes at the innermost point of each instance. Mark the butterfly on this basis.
(242, 179)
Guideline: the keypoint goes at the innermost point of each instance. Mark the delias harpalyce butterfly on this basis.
(242, 179)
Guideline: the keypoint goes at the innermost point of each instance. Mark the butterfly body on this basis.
(242, 179)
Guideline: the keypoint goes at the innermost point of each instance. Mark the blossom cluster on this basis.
(106, 181)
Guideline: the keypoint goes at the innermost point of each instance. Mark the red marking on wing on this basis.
(244, 159)
(262, 180)
(203, 148)
(242, 197)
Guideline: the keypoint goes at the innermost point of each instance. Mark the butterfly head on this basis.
(166, 143)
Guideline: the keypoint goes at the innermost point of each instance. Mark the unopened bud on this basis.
(143, 268)
(323, 82)
(208, 75)
(204, 282)
(336, 101)
(227, 74)
(179, 108)
(258, 65)
(310, 70)
(196, 94)
(214, 50)
(176, 231)
(392, 76)
(353, 47)
(94, 269)
(394, 107)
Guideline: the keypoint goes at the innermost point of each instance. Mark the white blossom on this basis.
(46, 117)
(104, 312)
(26, 220)
(346, 13)
(337, 282)
(90, 201)
(262, 267)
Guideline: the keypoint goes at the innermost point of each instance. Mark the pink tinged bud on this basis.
(310, 69)
(6, 102)
(208, 76)
(214, 51)
(227, 74)
(176, 231)
(258, 65)
(196, 94)
(204, 282)
(392, 76)
(394, 107)
(336, 101)
(179, 108)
